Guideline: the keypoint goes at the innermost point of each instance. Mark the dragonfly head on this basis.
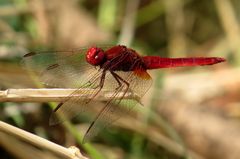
(95, 56)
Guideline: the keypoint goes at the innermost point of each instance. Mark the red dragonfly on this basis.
(117, 69)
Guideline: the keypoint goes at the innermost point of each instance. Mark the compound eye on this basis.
(95, 56)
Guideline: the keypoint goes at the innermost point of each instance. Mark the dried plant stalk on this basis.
(53, 95)
(71, 153)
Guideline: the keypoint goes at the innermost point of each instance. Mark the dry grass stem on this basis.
(53, 95)
(71, 153)
(128, 27)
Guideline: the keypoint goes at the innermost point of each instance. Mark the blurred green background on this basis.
(188, 113)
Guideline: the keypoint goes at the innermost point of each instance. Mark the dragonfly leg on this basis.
(91, 81)
(118, 79)
(101, 84)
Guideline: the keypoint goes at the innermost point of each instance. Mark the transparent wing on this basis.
(78, 101)
(117, 107)
(65, 69)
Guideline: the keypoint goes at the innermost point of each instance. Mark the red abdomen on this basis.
(154, 62)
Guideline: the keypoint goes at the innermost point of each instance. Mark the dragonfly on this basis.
(117, 69)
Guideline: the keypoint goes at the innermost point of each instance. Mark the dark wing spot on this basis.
(52, 66)
(30, 54)
(58, 106)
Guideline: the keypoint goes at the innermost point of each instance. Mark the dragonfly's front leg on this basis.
(91, 81)
(104, 68)
(100, 86)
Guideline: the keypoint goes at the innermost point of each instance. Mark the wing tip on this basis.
(87, 137)
(53, 119)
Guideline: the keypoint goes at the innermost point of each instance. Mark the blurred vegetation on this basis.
(176, 28)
